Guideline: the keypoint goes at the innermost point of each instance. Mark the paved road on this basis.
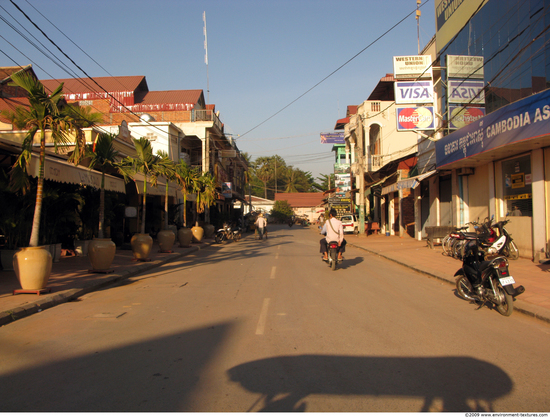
(265, 325)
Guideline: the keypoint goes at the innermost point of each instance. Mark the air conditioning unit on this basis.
(467, 171)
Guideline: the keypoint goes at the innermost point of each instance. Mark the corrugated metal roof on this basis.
(301, 200)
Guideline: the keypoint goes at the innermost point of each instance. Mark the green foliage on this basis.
(282, 210)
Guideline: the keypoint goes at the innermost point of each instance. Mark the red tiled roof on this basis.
(191, 97)
(340, 123)
(6, 72)
(352, 110)
(301, 200)
(111, 84)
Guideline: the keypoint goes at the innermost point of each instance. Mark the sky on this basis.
(280, 72)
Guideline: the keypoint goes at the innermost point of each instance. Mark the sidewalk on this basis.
(70, 279)
(418, 256)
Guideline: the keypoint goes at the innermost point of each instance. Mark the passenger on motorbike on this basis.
(334, 231)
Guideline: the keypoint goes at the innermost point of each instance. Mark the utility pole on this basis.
(418, 13)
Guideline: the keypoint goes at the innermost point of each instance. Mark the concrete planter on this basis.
(101, 253)
(81, 247)
(55, 251)
(33, 266)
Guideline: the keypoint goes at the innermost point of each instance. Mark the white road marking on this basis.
(273, 269)
(263, 318)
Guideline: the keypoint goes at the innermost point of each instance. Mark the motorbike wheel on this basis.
(236, 236)
(511, 251)
(333, 259)
(464, 288)
(219, 237)
(456, 251)
(507, 306)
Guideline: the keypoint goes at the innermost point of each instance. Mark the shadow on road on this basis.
(153, 375)
(460, 383)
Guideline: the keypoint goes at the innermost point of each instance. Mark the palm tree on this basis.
(46, 112)
(206, 192)
(103, 156)
(144, 163)
(187, 179)
(166, 168)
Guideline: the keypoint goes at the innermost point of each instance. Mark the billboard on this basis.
(332, 138)
(415, 118)
(413, 92)
(412, 66)
(465, 92)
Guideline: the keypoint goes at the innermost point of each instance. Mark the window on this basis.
(375, 106)
(516, 182)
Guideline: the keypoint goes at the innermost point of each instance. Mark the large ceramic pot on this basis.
(198, 233)
(209, 230)
(141, 246)
(101, 253)
(32, 266)
(185, 236)
(166, 240)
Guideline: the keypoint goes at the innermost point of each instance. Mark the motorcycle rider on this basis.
(334, 231)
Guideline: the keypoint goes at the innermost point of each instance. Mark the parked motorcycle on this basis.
(509, 249)
(485, 281)
(227, 233)
(332, 251)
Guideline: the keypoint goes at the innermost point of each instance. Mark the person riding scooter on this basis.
(334, 231)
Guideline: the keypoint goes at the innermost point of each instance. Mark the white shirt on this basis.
(331, 234)
(261, 222)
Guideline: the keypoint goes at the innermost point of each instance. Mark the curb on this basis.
(47, 302)
(520, 306)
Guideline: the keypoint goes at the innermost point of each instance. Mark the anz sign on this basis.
(414, 92)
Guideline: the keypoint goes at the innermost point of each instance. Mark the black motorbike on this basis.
(332, 251)
(485, 281)
(227, 233)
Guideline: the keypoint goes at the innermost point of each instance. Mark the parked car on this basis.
(350, 223)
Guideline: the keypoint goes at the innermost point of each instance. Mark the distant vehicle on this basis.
(350, 223)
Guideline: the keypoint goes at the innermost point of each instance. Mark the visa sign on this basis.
(466, 91)
(413, 92)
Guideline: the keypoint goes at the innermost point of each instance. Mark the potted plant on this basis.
(166, 168)
(46, 113)
(187, 179)
(102, 250)
(144, 163)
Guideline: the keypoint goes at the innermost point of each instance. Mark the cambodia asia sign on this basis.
(332, 138)
(519, 121)
(415, 118)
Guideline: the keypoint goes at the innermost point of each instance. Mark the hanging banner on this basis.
(415, 118)
(466, 92)
(412, 67)
(414, 92)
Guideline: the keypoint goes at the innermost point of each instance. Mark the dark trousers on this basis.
(324, 247)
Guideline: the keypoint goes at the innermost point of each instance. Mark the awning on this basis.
(413, 182)
(64, 172)
(159, 190)
(410, 183)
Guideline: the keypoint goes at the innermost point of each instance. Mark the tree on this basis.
(282, 210)
(46, 113)
(166, 168)
(206, 193)
(187, 179)
(144, 163)
(264, 171)
(103, 156)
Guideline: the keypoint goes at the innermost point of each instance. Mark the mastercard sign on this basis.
(415, 118)
(462, 116)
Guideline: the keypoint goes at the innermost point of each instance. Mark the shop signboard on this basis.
(415, 118)
(464, 66)
(414, 92)
(332, 138)
(461, 116)
(412, 67)
(466, 91)
(341, 204)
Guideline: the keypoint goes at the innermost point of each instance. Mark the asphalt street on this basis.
(267, 326)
